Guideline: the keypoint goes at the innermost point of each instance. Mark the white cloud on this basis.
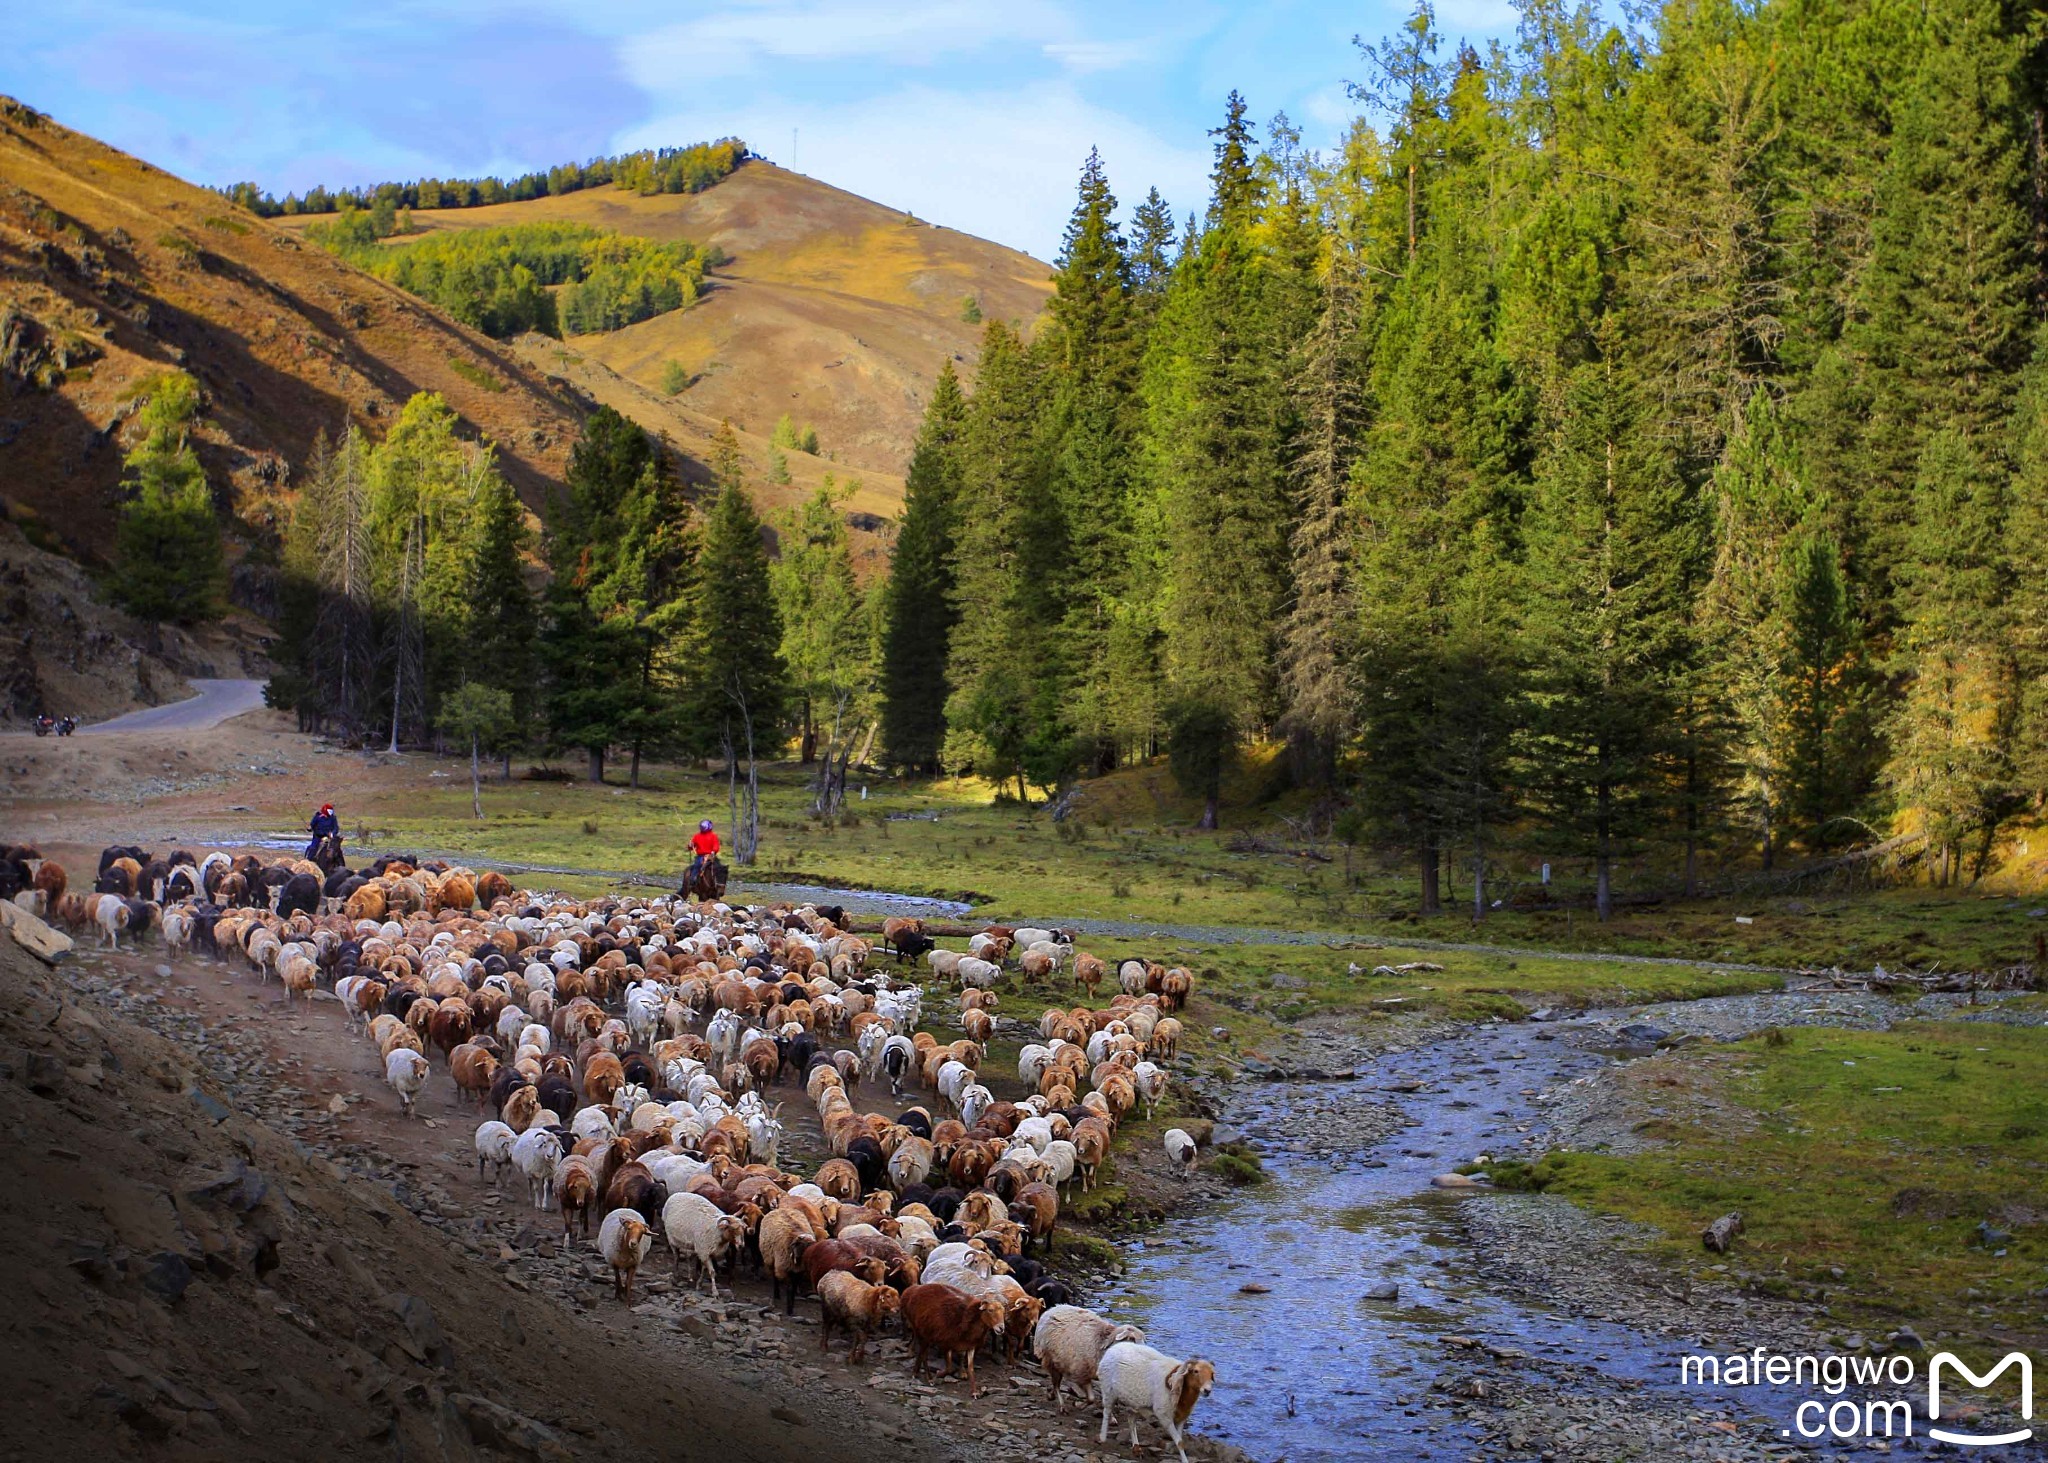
(998, 164)
(741, 40)
(1104, 55)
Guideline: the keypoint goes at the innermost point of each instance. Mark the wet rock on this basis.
(1457, 1181)
(1385, 1290)
(1642, 1033)
(1253, 1287)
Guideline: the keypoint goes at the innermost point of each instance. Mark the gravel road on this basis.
(215, 703)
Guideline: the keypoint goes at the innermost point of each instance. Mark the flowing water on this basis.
(1311, 1370)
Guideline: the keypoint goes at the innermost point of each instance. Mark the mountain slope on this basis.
(834, 308)
(112, 271)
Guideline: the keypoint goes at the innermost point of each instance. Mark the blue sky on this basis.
(974, 115)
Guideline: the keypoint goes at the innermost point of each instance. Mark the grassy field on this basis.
(1128, 852)
(1864, 1164)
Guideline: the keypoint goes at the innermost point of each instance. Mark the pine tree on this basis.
(1952, 736)
(620, 551)
(737, 688)
(502, 624)
(1093, 365)
(918, 613)
(169, 567)
(1150, 253)
(1779, 617)
(1610, 538)
(1004, 712)
(1215, 510)
(820, 609)
(1943, 312)
(1316, 642)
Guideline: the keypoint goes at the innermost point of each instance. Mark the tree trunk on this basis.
(1208, 812)
(808, 752)
(1770, 849)
(476, 781)
(633, 778)
(1603, 886)
(1478, 885)
(508, 765)
(1432, 894)
(596, 763)
(1692, 819)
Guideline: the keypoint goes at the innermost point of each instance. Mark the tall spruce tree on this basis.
(918, 607)
(1004, 711)
(1943, 310)
(737, 691)
(1611, 535)
(1091, 346)
(1953, 732)
(502, 623)
(1217, 419)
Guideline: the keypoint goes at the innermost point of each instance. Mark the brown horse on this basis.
(709, 883)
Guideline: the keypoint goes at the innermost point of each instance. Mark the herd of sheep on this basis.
(623, 1051)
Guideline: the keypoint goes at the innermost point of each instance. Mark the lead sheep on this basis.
(1136, 1376)
(1182, 1150)
(1070, 1341)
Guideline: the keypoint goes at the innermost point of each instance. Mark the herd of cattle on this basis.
(623, 1052)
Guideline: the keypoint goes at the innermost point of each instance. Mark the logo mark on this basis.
(2018, 1359)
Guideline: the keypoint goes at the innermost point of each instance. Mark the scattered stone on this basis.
(1253, 1287)
(1385, 1290)
(1457, 1181)
(1719, 1235)
(167, 1276)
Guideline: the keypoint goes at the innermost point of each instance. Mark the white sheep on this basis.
(697, 1227)
(1150, 1080)
(1069, 1342)
(534, 1153)
(494, 1146)
(406, 1071)
(1137, 1376)
(979, 973)
(1182, 1150)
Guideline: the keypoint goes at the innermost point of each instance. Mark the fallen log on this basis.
(1719, 1235)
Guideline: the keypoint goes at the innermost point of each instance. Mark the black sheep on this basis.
(398, 1000)
(915, 1194)
(945, 1203)
(918, 1121)
(639, 1070)
(796, 1052)
(507, 1082)
(343, 882)
(866, 1155)
(558, 1096)
(1052, 1290)
(299, 894)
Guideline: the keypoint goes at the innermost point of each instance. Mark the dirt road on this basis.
(215, 703)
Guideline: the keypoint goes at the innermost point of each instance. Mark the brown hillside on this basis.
(835, 309)
(870, 510)
(112, 270)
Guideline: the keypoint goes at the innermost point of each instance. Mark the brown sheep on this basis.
(855, 1306)
(940, 1318)
(603, 1076)
(786, 1232)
